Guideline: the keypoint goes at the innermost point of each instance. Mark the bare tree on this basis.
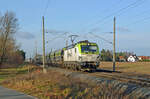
(8, 26)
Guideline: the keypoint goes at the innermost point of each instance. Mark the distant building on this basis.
(122, 59)
(132, 58)
(141, 58)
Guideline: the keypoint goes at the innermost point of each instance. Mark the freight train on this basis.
(83, 55)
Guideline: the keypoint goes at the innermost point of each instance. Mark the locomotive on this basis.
(83, 55)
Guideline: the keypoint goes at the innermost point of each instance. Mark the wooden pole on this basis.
(114, 46)
(44, 70)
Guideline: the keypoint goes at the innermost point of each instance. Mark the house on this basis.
(141, 58)
(122, 59)
(132, 58)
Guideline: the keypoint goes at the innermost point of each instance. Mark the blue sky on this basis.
(80, 17)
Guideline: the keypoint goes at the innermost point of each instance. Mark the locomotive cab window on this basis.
(89, 48)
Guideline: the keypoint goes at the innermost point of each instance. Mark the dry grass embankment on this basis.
(12, 72)
(137, 67)
(54, 85)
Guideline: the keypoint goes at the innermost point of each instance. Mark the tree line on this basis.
(107, 55)
(9, 50)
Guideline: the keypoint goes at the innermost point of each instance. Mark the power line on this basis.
(46, 7)
(140, 14)
(138, 21)
(144, 12)
(97, 36)
(59, 36)
(107, 9)
(54, 39)
(118, 13)
(133, 5)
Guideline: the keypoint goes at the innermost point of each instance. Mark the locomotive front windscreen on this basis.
(89, 48)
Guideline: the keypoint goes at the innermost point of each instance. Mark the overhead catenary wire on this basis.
(138, 21)
(54, 39)
(58, 36)
(118, 12)
(105, 10)
(144, 12)
(133, 5)
(102, 38)
(46, 7)
(141, 15)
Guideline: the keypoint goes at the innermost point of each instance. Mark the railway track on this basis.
(141, 80)
(131, 78)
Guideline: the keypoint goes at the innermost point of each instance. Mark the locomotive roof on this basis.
(80, 42)
(85, 41)
(71, 46)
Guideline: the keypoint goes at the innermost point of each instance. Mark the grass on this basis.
(137, 67)
(12, 72)
(54, 85)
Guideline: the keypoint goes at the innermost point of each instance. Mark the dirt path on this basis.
(6, 93)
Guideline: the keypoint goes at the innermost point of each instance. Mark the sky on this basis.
(81, 17)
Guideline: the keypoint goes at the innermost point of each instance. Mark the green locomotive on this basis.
(83, 55)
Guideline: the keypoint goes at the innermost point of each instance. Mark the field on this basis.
(13, 72)
(137, 67)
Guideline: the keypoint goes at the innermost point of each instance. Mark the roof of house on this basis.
(144, 57)
(134, 56)
(121, 57)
